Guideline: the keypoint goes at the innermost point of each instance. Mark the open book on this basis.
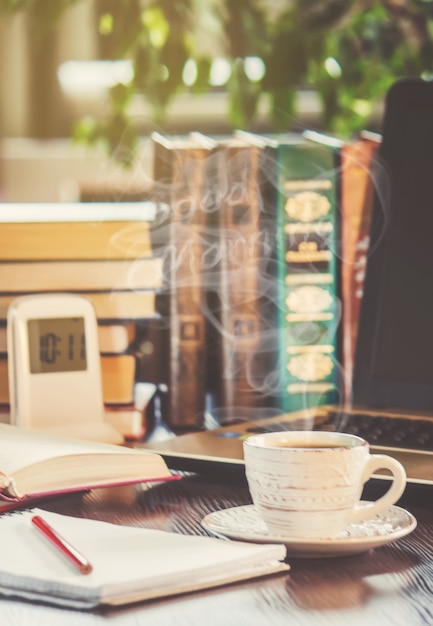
(35, 464)
(129, 563)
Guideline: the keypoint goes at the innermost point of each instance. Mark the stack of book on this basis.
(259, 244)
(265, 237)
(103, 252)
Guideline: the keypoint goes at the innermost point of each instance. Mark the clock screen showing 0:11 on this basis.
(57, 345)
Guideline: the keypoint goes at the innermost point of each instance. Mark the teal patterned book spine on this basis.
(309, 309)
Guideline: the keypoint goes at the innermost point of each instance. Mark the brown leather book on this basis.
(180, 174)
(244, 251)
(357, 187)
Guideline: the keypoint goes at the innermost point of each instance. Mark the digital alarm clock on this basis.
(53, 362)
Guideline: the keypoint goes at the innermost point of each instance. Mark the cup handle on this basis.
(376, 462)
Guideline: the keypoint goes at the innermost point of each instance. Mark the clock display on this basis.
(57, 345)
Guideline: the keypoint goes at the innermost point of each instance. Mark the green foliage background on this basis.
(349, 51)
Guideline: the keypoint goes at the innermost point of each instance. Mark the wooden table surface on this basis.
(389, 585)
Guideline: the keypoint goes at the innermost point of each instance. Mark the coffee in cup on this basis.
(309, 483)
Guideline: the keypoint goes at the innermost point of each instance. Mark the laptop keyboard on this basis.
(377, 429)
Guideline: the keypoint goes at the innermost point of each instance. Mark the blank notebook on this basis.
(129, 564)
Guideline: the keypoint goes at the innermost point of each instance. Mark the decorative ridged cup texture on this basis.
(305, 491)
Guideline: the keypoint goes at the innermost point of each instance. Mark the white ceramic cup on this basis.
(308, 484)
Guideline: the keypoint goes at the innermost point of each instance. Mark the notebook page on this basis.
(129, 563)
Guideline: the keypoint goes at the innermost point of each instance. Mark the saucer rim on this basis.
(310, 545)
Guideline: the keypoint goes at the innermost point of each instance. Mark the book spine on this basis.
(4, 381)
(110, 305)
(181, 172)
(74, 240)
(356, 206)
(3, 333)
(27, 276)
(308, 304)
(243, 365)
(118, 379)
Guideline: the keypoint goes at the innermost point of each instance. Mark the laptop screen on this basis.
(394, 361)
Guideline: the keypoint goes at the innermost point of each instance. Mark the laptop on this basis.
(392, 403)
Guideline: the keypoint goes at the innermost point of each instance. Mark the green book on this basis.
(308, 305)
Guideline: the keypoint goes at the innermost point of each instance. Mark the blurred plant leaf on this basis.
(348, 51)
(243, 96)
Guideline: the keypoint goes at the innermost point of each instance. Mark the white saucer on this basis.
(243, 523)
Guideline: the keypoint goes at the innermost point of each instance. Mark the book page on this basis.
(16, 212)
(21, 448)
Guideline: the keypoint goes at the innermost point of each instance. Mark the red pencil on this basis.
(62, 545)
